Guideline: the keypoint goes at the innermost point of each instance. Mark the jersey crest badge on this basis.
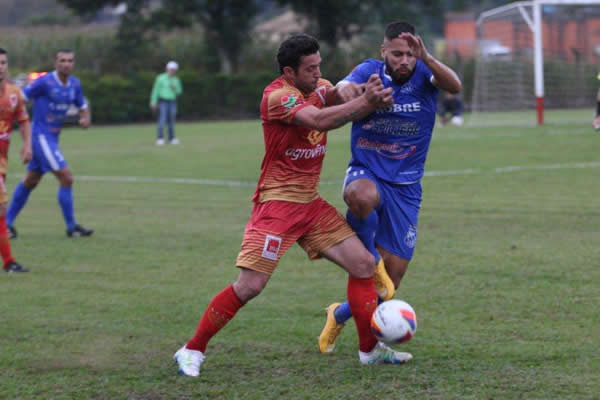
(13, 100)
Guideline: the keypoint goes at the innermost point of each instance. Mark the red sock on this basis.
(362, 298)
(5, 243)
(218, 313)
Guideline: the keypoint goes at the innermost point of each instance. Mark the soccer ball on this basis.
(394, 321)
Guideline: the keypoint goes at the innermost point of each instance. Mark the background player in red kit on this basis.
(297, 109)
(12, 108)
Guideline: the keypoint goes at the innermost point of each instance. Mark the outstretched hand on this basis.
(84, 120)
(416, 45)
(26, 153)
(349, 91)
(376, 94)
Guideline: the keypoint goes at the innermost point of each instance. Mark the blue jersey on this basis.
(51, 100)
(393, 142)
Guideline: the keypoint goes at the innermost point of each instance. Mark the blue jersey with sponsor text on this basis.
(393, 142)
(51, 100)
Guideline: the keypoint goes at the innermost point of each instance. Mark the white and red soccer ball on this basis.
(394, 321)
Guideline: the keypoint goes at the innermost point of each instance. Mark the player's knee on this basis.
(31, 181)
(66, 179)
(361, 202)
(363, 265)
(248, 288)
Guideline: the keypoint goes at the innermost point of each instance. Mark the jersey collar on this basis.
(55, 75)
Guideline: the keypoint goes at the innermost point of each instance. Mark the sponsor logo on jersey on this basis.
(271, 247)
(289, 101)
(392, 127)
(315, 136)
(395, 151)
(411, 237)
(307, 154)
(397, 108)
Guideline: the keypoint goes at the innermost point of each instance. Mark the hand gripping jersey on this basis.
(393, 142)
(12, 108)
(293, 154)
(51, 100)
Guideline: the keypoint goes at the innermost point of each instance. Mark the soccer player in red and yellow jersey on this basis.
(297, 110)
(12, 108)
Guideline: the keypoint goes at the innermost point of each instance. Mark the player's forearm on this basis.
(335, 116)
(25, 130)
(445, 77)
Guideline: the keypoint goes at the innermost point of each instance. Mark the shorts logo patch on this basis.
(271, 247)
(411, 237)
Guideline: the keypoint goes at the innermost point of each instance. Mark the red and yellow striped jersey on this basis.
(12, 108)
(294, 154)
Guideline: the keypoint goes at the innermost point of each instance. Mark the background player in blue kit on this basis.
(52, 96)
(389, 148)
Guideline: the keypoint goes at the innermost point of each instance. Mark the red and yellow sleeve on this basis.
(284, 103)
(21, 114)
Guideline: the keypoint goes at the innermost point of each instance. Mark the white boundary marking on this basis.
(227, 183)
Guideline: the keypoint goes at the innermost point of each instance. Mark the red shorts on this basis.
(275, 225)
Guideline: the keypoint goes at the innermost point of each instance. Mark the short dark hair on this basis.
(69, 51)
(2, 51)
(394, 29)
(294, 48)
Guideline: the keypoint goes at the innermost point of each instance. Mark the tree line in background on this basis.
(227, 24)
(225, 66)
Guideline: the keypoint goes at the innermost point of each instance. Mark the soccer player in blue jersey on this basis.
(52, 95)
(389, 147)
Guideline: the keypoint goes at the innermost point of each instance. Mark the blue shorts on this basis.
(398, 212)
(46, 154)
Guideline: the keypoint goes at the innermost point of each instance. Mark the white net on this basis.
(504, 69)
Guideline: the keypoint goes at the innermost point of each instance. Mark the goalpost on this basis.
(521, 43)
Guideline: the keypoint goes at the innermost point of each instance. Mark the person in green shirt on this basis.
(166, 89)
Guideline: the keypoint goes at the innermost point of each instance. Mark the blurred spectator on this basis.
(597, 119)
(451, 110)
(167, 87)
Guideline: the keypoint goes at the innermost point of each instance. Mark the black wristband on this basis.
(598, 109)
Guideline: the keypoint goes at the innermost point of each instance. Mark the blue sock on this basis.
(17, 203)
(65, 199)
(343, 313)
(365, 229)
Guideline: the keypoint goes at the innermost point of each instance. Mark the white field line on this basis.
(441, 135)
(228, 183)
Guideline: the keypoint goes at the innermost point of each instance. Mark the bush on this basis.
(117, 99)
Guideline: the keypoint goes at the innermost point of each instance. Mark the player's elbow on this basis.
(455, 87)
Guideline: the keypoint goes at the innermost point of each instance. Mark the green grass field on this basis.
(505, 280)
